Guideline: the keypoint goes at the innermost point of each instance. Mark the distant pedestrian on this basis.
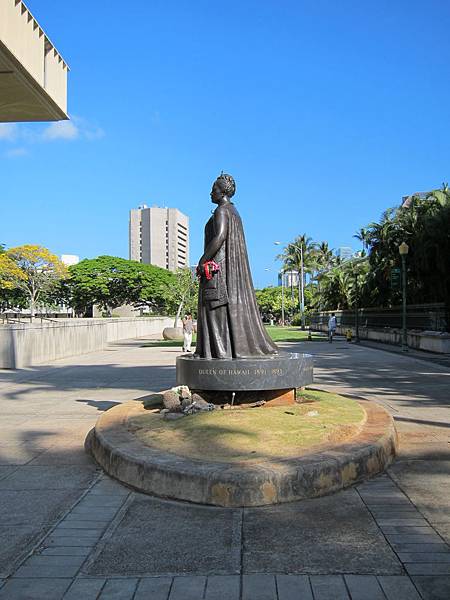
(188, 329)
(332, 324)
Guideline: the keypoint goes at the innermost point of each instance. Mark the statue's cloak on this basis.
(229, 324)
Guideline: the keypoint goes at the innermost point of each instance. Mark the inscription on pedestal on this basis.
(289, 370)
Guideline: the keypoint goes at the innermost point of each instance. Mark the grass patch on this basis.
(277, 334)
(291, 334)
(254, 433)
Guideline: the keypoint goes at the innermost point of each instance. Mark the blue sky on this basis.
(326, 112)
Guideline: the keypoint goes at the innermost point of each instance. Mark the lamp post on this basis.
(403, 251)
(357, 340)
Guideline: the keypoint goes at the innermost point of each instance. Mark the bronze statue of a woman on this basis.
(229, 324)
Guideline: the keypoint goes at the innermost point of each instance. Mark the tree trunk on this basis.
(177, 316)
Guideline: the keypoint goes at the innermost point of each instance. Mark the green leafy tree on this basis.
(109, 282)
(182, 294)
(270, 302)
(34, 270)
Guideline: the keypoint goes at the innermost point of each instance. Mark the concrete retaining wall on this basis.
(24, 345)
(432, 341)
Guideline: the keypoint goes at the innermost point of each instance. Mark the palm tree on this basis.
(362, 236)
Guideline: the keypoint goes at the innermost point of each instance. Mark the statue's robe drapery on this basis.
(229, 324)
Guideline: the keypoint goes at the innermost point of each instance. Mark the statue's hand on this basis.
(200, 270)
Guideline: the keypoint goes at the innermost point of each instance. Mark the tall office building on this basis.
(344, 253)
(159, 236)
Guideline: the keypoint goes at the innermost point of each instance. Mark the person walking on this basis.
(332, 324)
(188, 328)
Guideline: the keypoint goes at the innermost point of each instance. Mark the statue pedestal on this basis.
(282, 371)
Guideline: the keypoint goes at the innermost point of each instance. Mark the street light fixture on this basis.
(403, 251)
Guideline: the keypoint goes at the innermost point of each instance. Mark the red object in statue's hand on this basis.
(210, 268)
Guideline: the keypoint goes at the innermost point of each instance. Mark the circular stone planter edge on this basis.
(166, 475)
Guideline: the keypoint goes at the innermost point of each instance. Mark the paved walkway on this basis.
(69, 532)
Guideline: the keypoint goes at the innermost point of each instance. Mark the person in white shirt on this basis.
(332, 324)
(188, 329)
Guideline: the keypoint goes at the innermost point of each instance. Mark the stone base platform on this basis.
(270, 481)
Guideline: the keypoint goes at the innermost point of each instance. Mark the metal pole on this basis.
(404, 333)
(302, 308)
(357, 340)
(282, 298)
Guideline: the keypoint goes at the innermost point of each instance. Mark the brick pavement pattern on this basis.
(70, 532)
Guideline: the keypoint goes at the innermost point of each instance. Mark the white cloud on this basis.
(60, 130)
(16, 152)
(8, 131)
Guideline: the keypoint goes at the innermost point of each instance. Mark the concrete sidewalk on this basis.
(69, 532)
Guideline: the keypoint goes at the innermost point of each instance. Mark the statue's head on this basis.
(223, 186)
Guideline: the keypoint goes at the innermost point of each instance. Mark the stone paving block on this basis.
(34, 507)
(386, 501)
(90, 520)
(406, 513)
(223, 587)
(294, 587)
(424, 557)
(402, 521)
(14, 543)
(39, 560)
(109, 488)
(329, 587)
(427, 568)
(76, 533)
(18, 455)
(48, 478)
(78, 514)
(99, 505)
(398, 587)
(70, 541)
(83, 524)
(188, 588)
(258, 587)
(404, 538)
(119, 589)
(425, 548)
(88, 514)
(66, 551)
(364, 587)
(409, 529)
(436, 587)
(84, 589)
(34, 589)
(307, 534)
(400, 508)
(153, 588)
(157, 537)
(51, 571)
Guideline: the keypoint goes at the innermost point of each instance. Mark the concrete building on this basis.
(406, 200)
(33, 75)
(344, 252)
(291, 278)
(159, 236)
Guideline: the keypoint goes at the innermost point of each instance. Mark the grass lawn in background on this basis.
(292, 334)
(278, 334)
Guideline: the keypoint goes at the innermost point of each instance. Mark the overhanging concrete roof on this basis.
(33, 75)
